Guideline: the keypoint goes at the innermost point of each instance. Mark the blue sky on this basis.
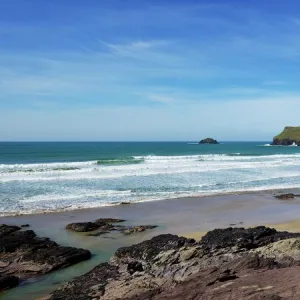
(148, 70)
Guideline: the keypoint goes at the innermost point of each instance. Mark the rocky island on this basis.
(209, 141)
(232, 263)
(289, 136)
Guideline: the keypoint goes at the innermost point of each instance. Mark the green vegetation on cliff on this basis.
(288, 136)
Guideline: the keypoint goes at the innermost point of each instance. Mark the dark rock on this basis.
(25, 255)
(98, 233)
(7, 229)
(135, 229)
(209, 141)
(285, 196)
(19, 239)
(242, 238)
(8, 282)
(283, 142)
(102, 221)
(105, 225)
(57, 257)
(134, 266)
(79, 288)
(125, 203)
(83, 226)
(147, 250)
(25, 225)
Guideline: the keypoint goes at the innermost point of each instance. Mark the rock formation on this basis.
(103, 226)
(286, 196)
(232, 263)
(289, 136)
(208, 141)
(23, 255)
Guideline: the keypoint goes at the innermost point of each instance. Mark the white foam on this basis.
(152, 165)
(33, 207)
(47, 165)
(157, 177)
(78, 195)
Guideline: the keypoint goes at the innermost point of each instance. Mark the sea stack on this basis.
(209, 141)
(288, 137)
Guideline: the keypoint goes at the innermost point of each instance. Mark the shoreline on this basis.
(295, 190)
(181, 216)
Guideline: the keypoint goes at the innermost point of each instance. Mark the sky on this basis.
(148, 70)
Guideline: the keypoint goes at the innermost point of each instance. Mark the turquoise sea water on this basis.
(39, 177)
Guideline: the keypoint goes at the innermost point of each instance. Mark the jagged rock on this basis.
(149, 249)
(284, 252)
(7, 229)
(104, 225)
(242, 238)
(80, 287)
(25, 225)
(208, 141)
(24, 255)
(232, 263)
(135, 229)
(82, 226)
(135, 266)
(102, 221)
(285, 196)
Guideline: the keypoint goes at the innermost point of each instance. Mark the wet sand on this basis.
(291, 226)
(190, 217)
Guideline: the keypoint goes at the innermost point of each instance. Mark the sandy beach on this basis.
(190, 217)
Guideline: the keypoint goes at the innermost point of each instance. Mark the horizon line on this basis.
(144, 141)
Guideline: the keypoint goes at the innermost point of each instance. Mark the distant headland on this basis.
(209, 141)
(288, 137)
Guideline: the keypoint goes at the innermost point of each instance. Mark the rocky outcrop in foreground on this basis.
(209, 141)
(23, 255)
(232, 263)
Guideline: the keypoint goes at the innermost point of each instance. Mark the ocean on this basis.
(47, 177)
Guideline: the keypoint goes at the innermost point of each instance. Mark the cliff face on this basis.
(289, 136)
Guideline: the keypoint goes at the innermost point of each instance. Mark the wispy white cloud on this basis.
(135, 46)
(162, 99)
